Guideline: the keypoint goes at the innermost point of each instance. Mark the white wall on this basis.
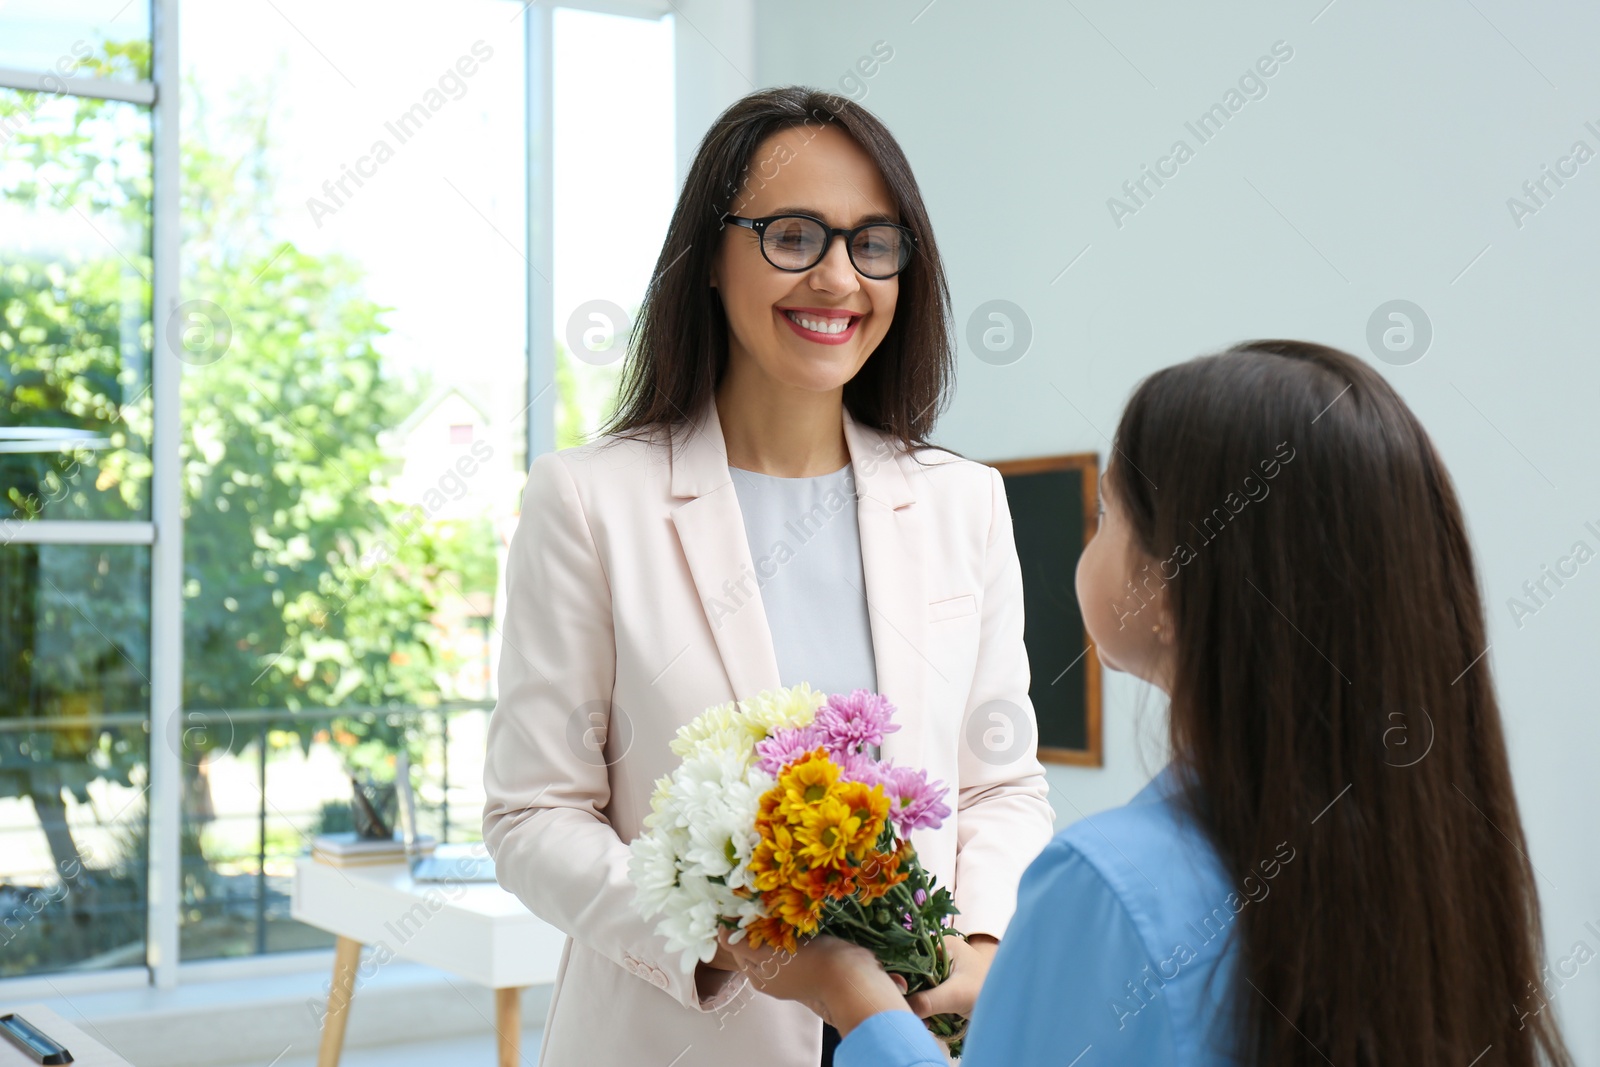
(1378, 166)
(714, 48)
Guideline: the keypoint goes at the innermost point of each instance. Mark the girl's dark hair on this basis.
(679, 347)
(1330, 692)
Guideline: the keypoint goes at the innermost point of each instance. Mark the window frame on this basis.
(694, 90)
(163, 533)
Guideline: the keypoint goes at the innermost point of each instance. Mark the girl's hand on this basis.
(969, 965)
(841, 982)
(711, 976)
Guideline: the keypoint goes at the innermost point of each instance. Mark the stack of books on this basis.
(350, 850)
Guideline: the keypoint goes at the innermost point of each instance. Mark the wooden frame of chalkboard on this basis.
(1054, 513)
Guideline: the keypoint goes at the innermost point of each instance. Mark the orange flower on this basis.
(773, 861)
(770, 800)
(881, 872)
(774, 932)
(822, 883)
(794, 908)
(871, 805)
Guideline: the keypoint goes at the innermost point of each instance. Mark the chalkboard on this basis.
(1053, 516)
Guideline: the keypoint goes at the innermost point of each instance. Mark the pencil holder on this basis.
(373, 809)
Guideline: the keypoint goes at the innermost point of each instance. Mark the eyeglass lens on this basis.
(795, 243)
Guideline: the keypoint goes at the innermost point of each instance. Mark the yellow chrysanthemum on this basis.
(770, 802)
(827, 830)
(658, 801)
(806, 782)
(739, 724)
(726, 722)
(772, 863)
(871, 805)
(795, 908)
(794, 706)
(774, 932)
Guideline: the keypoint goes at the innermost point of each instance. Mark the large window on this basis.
(613, 193)
(348, 240)
(353, 208)
(76, 340)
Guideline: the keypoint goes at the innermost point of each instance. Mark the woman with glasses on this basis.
(764, 509)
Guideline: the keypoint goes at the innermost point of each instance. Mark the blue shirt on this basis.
(1118, 953)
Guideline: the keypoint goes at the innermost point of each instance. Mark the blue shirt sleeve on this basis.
(1064, 981)
(889, 1039)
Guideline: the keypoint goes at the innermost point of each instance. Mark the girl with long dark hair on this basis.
(1332, 868)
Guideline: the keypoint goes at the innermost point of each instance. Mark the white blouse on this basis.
(806, 547)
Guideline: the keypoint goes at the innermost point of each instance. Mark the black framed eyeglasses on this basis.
(798, 242)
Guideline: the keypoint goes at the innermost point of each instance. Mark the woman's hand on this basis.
(969, 965)
(841, 982)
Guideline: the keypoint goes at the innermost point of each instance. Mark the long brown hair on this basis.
(679, 348)
(1330, 690)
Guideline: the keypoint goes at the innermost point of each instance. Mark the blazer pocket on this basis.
(952, 607)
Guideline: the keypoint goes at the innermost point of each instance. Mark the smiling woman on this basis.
(791, 355)
(718, 305)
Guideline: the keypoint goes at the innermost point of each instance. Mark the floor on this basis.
(476, 1051)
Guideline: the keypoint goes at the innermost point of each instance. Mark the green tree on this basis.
(305, 588)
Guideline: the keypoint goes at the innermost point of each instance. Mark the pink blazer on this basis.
(632, 606)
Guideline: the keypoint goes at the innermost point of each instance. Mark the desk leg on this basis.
(508, 1023)
(346, 956)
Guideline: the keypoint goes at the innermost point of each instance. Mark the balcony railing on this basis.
(258, 785)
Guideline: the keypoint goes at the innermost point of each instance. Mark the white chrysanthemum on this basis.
(722, 827)
(660, 799)
(744, 837)
(669, 816)
(653, 869)
(690, 925)
(697, 782)
(711, 764)
(700, 832)
(691, 928)
(747, 912)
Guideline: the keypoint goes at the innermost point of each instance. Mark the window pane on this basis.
(613, 86)
(75, 331)
(74, 756)
(241, 838)
(83, 38)
(354, 215)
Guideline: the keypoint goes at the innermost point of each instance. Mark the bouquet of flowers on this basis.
(781, 824)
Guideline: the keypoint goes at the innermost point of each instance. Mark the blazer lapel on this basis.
(897, 596)
(711, 531)
(712, 534)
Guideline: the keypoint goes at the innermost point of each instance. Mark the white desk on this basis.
(472, 929)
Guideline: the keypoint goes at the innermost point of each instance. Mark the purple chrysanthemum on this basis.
(850, 723)
(860, 767)
(785, 745)
(915, 802)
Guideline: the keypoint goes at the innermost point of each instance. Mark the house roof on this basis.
(434, 399)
